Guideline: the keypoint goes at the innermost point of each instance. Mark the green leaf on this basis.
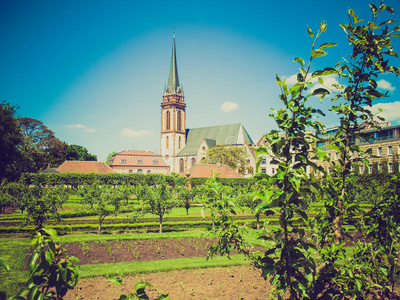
(115, 280)
(4, 264)
(324, 72)
(299, 60)
(323, 27)
(328, 45)
(310, 33)
(32, 261)
(51, 232)
(142, 285)
(318, 53)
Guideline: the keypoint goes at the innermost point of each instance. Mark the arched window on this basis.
(167, 142)
(179, 121)
(179, 143)
(168, 120)
(181, 165)
(193, 161)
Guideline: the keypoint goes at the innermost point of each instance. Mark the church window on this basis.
(179, 121)
(193, 161)
(167, 142)
(203, 148)
(168, 120)
(181, 165)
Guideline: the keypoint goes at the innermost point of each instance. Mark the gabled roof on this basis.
(49, 170)
(234, 134)
(225, 171)
(137, 158)
(84, 167)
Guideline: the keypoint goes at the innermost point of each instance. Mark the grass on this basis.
(14, 252)
(122, 269)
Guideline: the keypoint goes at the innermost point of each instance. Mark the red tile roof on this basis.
(206, 171)
(137, 158)
(84, 167)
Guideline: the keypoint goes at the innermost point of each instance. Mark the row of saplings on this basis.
(40, 204)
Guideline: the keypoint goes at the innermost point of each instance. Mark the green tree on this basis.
(232, 156)
(109, 156)
(76, 152)
(11, 140)
(161, 201)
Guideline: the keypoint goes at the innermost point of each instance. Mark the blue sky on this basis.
(94, 71)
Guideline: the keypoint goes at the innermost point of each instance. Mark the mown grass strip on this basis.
(122, 269)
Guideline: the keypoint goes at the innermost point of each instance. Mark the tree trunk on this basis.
(160, 231)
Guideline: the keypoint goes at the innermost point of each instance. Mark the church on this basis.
(182, 148)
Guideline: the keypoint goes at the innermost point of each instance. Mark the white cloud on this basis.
(386, 85)
(80, 126)
(391, 111)
(229, 106)
(129, 133)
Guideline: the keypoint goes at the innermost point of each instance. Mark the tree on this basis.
(161, 201)
(232, 156)
(11, 140)
(76, 152)
(40, 146)
(109, 156)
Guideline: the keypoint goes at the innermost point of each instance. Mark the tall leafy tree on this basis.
(11, 140)
(76, 152)
(232, 156)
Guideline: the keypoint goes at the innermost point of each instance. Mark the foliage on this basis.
(76, 152)
(109, 156)
(160, 202)
(49, 269)
(232, 156)
(10, 142)
(317, 266)
(40, 145)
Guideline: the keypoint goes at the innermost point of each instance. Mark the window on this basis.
(154, 162)
(330, 155)
(329, 170)
(148, 171)
(362, 169)
(264, 170)
(168, 125)
(167, 142)
(123, 161)
(179, 122)
(273, 170)
(140, 171)
(370, 169)
(179, 146)
(390, 150)
(181, 165)
(321, 144)
(193, 161)
(203, 148)
(139, 162)
(336, 155)
(130, 171)
(380, 167)
(264, 161)
(380, 151)
(390, 167)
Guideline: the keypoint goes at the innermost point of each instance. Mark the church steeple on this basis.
(173, 80)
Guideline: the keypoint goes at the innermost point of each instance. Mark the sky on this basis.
(94, 71)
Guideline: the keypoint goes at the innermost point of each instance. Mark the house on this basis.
(146, 162)
(84, 167)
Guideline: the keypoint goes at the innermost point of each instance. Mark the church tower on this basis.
(173, 117)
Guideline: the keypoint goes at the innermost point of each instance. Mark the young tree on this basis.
(161, 201)
(76, 152)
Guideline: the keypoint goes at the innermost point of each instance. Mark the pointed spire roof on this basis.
(173, 80)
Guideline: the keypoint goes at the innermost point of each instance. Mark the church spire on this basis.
(173, 80)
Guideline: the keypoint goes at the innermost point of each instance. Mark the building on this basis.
(383, 143)
(205, 170)
(145, 162)
(84, 167)
(181, 147)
